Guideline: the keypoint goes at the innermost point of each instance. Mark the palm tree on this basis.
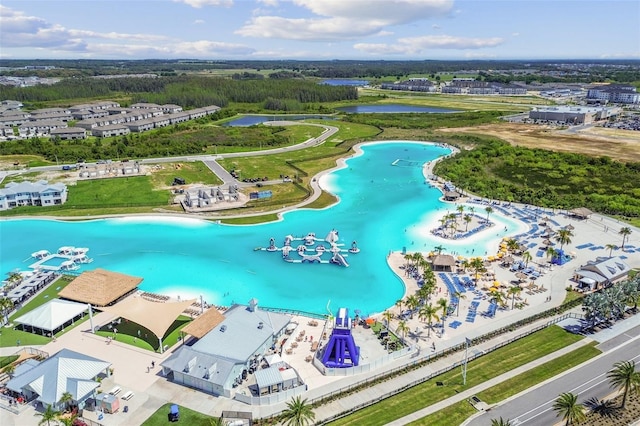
(438, 249)
(566, 405)
(467, 220)
(66, 399)
(489, 210)
(298, 413)
(514, 291)
(444, 305)
(551, 252)
(624, 376)
(388, 316)
(399, 304)
(6, 305)
(428, 313)
(412, 303)
(610, 247)
(67, 420)
(500, 422)
(478, 266)
(460, 296)
(625, 232)
(513, 245)
(9, 369)
(217, 421)
(48, 415)
(460, 209)
(563, 237)
(402, 329)
(526, 256)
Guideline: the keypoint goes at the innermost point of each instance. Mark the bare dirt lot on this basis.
(623, 145)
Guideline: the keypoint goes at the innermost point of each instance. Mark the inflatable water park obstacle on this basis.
(311, 249)
(341, 351)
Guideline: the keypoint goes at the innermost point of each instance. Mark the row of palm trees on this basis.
(450, 220)
(623, 377)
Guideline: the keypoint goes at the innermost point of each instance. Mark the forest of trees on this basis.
(189, 92)
(497, 170)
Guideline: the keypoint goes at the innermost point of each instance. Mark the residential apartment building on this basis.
(40, 193)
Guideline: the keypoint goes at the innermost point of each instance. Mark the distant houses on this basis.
(100, 119)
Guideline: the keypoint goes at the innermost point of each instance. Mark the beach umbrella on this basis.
(547, 242)
(521, 276)
(569, 227)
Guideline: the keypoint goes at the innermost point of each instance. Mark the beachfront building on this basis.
(601, 273)
(52, 317)
(67, 371)
(230, 347)
(40, 193)
(573, 114)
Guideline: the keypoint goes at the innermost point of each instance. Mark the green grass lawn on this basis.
(192, 172)
(457, 413)
(24, 160)
(134, 334)
(10, 336)
(479, 370)
(187, 416)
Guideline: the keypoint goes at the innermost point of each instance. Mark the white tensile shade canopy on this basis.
(52, 315)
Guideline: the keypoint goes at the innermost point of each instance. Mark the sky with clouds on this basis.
(320, 29)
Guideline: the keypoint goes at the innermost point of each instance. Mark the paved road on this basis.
(534, 407)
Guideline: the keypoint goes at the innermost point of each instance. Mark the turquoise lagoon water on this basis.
(383, 207)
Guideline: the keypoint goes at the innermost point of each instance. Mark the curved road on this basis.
(534, 406)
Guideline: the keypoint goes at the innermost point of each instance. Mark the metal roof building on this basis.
(66, 371)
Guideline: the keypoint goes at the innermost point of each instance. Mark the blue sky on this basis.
(320, 29)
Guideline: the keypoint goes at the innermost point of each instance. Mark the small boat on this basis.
(66, 250)
(40, 254)
(79, 251)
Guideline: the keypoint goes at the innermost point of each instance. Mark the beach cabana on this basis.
(100, 287)
(52, 317)
(155, 316)
(443, 262)
(581, 213)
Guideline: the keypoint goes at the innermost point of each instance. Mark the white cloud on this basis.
(515, 34)
(202, 3)
(21, 31)
(270, 3)
(199, 21)
(340, 19)
(415, 45)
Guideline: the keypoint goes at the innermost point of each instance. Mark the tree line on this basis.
(187, 91)
(495, 169)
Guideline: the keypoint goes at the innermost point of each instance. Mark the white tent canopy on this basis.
(52, 315)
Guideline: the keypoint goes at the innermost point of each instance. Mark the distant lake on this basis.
(252, 120)
(345, 82)
(389, 108)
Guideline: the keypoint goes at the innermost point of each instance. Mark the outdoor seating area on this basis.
(473, 310)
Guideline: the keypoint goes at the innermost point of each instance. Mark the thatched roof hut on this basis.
(100, 287)
(443, 262)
